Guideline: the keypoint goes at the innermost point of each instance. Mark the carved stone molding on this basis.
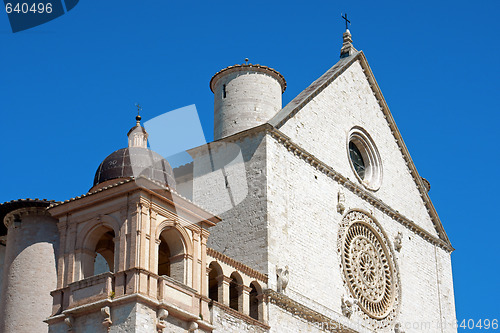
(69, 320)
(398, 329)
(282, 278)
(161, 317)
(235, 264)
(15, 217)
(192, 327)
(304, 312)
(340, 203)
(398, 241)
(347, 304)
(106, 313)
(369, 270)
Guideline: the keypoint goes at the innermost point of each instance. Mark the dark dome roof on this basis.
(135, 162)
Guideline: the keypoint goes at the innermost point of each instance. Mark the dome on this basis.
(135, 162)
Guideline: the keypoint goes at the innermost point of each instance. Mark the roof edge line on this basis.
(438, 225)
(280, 118)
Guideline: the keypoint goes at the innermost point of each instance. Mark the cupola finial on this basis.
(138, 118)
(137, 136)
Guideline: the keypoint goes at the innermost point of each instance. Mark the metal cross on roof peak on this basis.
(346, 20)
(139, 108)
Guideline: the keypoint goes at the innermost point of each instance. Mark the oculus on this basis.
(364, 158)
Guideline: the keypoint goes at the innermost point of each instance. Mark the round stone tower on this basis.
(245, 96)
(29, 265)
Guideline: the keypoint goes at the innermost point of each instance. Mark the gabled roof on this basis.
(310, 92)
(324, 81)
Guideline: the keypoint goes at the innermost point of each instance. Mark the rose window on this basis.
(368, 267)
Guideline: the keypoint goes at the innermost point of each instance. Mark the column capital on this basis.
(242, 288)
(224, 279)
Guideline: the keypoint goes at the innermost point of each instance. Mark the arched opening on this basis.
(214, 284)
(172, 255)
(105, 251)
(254, 302)
(235, 292)
(99, 254)
(164, 259)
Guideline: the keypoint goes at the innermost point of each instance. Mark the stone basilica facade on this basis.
(306, 218)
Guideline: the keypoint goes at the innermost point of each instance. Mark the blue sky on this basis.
(68, 90)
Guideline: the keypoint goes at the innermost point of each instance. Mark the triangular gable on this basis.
(292, 108)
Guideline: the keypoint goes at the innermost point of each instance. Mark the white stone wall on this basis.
(322, 127)
(225, 322)
(242, 233)
(282, 321)
(303, 230)
(128, 317)
(251, 99)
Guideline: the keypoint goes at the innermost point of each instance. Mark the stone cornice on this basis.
(19, 214)
(236, 264)
(281, 138)
(404, 151)
(297, 309)
(240, 315)
(249, 67)
(130, 185)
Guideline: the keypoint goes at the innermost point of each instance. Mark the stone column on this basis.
(263, 300)
(244, 299)
(224, 281)
(30, 274)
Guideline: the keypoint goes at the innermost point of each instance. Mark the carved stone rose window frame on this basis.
(369, 270)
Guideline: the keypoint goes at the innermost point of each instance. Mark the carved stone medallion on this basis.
(369, 269)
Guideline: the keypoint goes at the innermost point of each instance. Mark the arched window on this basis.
(214, 283)
(164, 259)
(172, 255)
(255, 300)
(254, 303)
(235, 292)
(99, 254)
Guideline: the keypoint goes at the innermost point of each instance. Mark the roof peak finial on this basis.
(347, 47)
(137, 136)
(138, 117)
(346, 21)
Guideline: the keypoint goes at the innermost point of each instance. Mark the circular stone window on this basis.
(369, 268)
(364, 158)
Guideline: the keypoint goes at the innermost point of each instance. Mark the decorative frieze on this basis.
(237, 265)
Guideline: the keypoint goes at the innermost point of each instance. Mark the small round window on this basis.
(357, 160)
(364, 158)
